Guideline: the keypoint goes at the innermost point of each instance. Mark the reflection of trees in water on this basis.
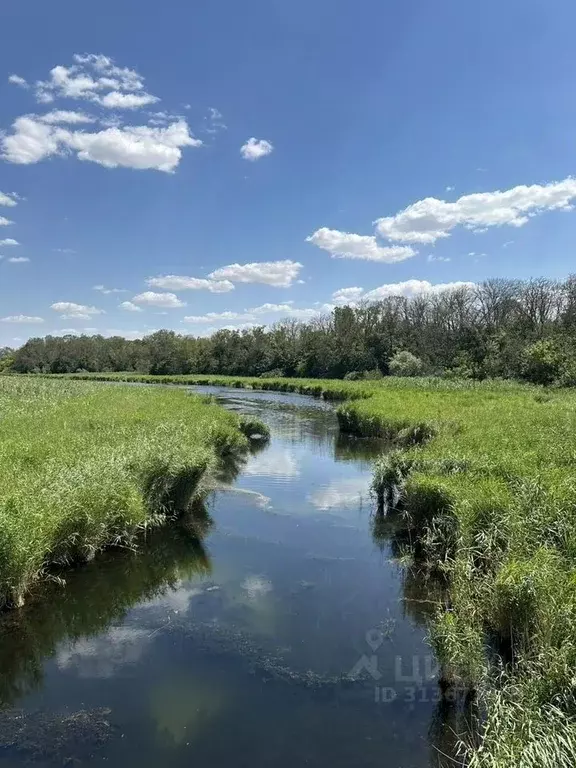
(425, 592)
(96, 595)
(454, 721)
(231, 465)
(358, 449)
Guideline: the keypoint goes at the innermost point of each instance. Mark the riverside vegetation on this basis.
(86, 466)
(481, 492)
(499, 328)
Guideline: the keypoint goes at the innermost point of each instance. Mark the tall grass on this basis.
(85, 466)
(483, 482)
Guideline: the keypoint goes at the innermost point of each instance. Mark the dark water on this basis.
(275, 631)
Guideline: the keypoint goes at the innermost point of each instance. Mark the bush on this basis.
(542, 362)
(404, 363)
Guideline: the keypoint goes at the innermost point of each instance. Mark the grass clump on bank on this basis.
(484, 486)
(85, 466)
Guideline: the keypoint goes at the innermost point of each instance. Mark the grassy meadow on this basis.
(487, 482)
(84, 466)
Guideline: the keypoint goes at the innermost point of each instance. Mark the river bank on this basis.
(86, 466)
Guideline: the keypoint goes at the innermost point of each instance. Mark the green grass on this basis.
(487, 478)
(86, 466)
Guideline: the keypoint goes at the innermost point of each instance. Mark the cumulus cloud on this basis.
(429, 220)
(61, 133)
(407, 288)
(118, 100)
(214, 317)
(152, 299)
(70, 310)
(254, 149)
(9, 200)
(95, 78)
(280, 274)
(347, 295)
(22, 319)
(18, 259)
(9, 241)
(140, 147)
(184, 283)
(347, 245)
(129, 306)
(4, 222)
(410, 288)
(265, 309)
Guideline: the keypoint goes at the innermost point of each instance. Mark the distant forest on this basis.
(500, 328)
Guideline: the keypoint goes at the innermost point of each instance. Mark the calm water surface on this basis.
(275, 632)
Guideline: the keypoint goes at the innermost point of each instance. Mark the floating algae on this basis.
(66, 738)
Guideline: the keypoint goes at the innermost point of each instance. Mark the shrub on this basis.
(542, 362)
(404, 363)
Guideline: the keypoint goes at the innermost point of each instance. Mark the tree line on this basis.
(499, 328)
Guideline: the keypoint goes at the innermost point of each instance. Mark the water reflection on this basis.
(237, 630)
(95, 596)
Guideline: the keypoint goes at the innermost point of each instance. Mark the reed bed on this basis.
(87, 466)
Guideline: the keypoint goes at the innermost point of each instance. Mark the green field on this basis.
(84, 466)
(488, 500)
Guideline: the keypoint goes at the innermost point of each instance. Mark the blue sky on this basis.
(127, 159)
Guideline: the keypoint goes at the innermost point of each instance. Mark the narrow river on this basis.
(277, 632)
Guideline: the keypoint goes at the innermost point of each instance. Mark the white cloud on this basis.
(17, 80)
(214, 317)
(66, 332)
(65, 116)
(18, 259)
(22, 319)
(410, 288)
(64, 250)
(347, 295)
(347, 245)
(130, 307)
(152, 299)
(254, 149)
(95, 78)
(184, 283)
(4, 222)
(132, 146)
(70, 310)
(306, 313)
(117, 100)
(30, 141)
(8, 199)
(407, 288)
(131, 334)
(280, 274)
(429, 220)
(9, 241)
(107, 291)
(265, 309)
